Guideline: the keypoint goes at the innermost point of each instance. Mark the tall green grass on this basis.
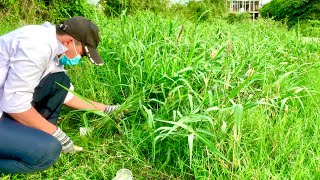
(205, 101)
(198, 93)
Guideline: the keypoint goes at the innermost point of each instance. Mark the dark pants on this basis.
(24, 149)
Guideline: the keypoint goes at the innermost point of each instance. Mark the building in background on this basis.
(249, 6)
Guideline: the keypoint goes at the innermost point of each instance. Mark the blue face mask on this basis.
(64, 60)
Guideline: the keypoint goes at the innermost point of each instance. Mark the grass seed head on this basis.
(214, 53)
(228, 48)
(250, 72)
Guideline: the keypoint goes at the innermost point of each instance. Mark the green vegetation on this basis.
(292, 10)
(33, 11)
(194, 10)
(116, 7)
(296, 13)
(206, 101)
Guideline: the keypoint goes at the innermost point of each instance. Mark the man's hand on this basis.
(66, 142)
(109, 109)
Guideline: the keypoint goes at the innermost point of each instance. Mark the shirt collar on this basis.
(61, 48)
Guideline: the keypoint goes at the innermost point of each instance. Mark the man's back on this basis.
(24, 55)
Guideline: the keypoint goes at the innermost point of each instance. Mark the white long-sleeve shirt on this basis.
(26, 56)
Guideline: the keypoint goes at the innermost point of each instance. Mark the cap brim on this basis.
(93, 55)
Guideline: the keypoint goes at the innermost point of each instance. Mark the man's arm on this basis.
(33, 119)
(28, 61)
(77, 103)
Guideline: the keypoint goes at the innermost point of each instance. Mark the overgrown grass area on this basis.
(205, 101)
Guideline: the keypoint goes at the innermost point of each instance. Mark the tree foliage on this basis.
(292, 10)
(206, 9)
(116, 7)
(44, 10)
(57, 10)
(199, 10)
(60, 10)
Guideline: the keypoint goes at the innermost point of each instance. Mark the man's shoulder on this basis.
(45, 31)
(37, 30)
(35, 34)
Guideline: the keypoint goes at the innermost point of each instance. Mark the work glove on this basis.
(109, 109)
(66, 142)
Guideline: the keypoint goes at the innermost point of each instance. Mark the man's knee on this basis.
(53, 152)
(62, 78)
(45, 155)
(54, 80)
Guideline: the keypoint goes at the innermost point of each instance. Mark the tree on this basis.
(115, 7)
(292, 10)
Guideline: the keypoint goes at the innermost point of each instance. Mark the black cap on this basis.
(83, 30)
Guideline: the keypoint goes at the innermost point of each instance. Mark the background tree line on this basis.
(55, 10)
(302, 14)
(292, 10)
(306, 12)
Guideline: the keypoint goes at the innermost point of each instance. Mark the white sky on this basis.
(265, 1)
(93, 1)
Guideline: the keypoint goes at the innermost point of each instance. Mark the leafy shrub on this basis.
(311, 28)
(24, 11)
(196, 10)
(62, 9)
(115, 7)
(5, 3)
(237, 17)
(33, 11)
(291, 10)
(200, 10)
